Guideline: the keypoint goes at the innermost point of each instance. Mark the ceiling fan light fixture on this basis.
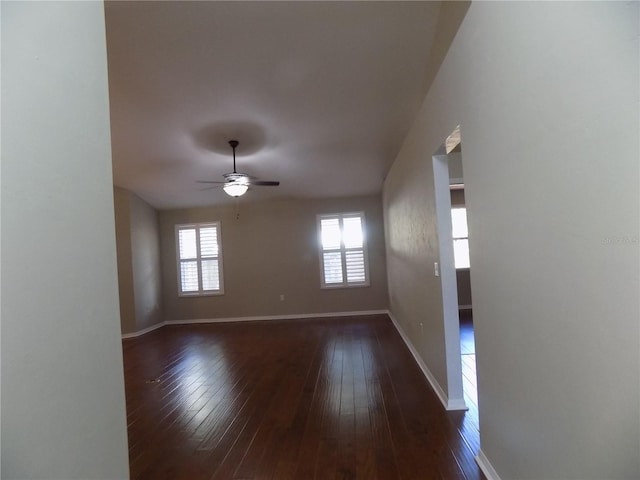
(236, 188)
(236, 184)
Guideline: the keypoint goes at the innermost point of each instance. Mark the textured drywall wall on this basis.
(546, 94)
(63, 403)
(411, 230)
(271, 249)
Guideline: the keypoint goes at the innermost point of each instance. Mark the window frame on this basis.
(454, 238)
(343, 250)
(199, 259)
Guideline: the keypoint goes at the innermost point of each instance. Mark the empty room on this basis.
(228, 249)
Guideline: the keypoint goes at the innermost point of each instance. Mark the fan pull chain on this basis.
(237, 208)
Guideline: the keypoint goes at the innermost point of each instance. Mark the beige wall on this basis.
(122, 209)
(63, 402)
(411, 229)
(546, 94)
(463, 281)
(454, 161)
(269, 250)
(457, 198)
(139, 272)
(145, 258)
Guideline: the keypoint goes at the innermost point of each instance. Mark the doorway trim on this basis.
(449, 287)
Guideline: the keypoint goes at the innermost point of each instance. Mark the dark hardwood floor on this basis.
(306, 399)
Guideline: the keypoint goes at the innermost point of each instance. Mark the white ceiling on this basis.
(319, 94)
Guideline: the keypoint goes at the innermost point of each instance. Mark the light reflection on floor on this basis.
(468, 350)
(205, 380)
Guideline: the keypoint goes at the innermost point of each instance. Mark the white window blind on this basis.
(199, 261)
(343, 255)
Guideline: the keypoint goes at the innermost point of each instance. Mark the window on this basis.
(460, 237)
(343, 256)
(199, 259)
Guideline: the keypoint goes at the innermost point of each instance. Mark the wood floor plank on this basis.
(287, 400)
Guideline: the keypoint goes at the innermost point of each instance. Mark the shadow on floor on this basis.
(467, 340)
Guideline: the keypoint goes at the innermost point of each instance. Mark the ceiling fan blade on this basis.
(264, 183)
(206, 181)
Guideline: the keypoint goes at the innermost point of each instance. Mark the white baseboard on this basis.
(260, 318)
(486, 467)
(457, 404)
(144, 330)
(253, 319)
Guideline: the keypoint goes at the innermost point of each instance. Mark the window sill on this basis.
(344, 285)
(199, 294)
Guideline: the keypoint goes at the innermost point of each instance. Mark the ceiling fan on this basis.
(237, 184)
